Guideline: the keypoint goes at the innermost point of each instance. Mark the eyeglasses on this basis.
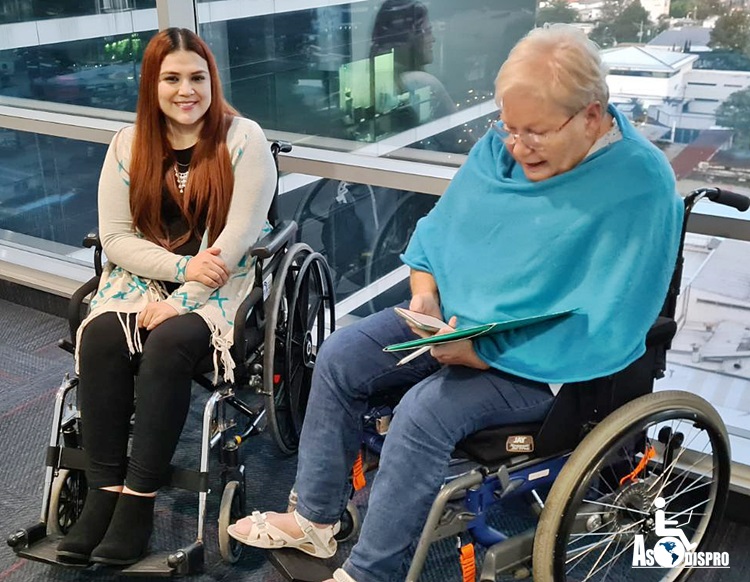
(530, 139)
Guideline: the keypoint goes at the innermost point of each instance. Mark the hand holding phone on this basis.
(421, 321)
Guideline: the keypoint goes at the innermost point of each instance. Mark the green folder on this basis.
(475, 331)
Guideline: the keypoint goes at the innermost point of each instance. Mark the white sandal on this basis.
(316, 541)
(341, 576)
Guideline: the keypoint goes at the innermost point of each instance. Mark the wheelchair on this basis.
(588, 474)
(277, 332)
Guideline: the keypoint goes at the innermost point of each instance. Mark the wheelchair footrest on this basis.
(298, 567)
(158, 564)
(45, 550)
(162, 564)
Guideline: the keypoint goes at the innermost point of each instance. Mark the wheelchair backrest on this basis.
(579, 406)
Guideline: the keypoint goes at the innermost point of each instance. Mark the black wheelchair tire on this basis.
(67, 496)
(306, 330)
(282, 308)
(550, 540)
(229, 512)
(277, 401)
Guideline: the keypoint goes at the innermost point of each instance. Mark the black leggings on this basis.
(156, 383)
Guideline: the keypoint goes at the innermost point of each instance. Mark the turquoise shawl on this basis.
(601, 237)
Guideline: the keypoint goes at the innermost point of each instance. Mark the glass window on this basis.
(361, 230)
(48, 186)
(25, 10)
(710, 355)
(42, 60)
(370, 71)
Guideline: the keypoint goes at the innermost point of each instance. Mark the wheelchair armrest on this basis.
(74, 312)
(92, 240)
(275, 240)
(661, 332)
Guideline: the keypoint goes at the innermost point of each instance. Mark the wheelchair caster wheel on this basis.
(67, 497)
(351, 522)
(229, 512)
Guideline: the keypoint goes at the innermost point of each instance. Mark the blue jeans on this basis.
(445, 404)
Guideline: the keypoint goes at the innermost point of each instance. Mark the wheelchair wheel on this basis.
(230, 511)
(299, 313)
(67, 496)
(601, 512)
(351, 523)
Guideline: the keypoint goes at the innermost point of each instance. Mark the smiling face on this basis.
(184, 90)
(523, 111)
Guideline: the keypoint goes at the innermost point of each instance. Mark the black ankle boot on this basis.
(90, 527)
(126, 540)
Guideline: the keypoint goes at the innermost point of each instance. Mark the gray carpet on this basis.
(31, 369)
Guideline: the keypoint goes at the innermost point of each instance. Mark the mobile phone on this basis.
(421, 320)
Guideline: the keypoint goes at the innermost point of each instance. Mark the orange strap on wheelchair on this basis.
(468, 564)
(647, 456)
(358, 473)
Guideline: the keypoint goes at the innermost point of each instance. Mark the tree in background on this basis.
(639, 112)
(697, 9)
(734, 112)
(556, 11)
(732, 32)
(622, 22)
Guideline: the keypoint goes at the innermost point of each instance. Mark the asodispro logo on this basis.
(673, 548)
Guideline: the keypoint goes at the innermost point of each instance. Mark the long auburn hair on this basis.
(209, 190)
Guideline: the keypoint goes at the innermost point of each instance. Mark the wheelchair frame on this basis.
(510, 462)
(276, 321)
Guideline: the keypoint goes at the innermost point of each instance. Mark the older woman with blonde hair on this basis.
(561, 205)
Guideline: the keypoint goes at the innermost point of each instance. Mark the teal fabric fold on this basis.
(601, 238)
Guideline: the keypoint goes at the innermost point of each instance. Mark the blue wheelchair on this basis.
(277, 332)
(589, 474)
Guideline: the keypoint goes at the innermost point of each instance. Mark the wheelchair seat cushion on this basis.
(491, 446)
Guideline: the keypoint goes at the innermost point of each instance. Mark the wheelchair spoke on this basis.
(687, 471)
(681, 493)
(667, 474)
(612, 560)
(631, 509)
(583, 551)
(314, 312)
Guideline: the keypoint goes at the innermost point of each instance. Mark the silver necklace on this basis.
(181, 177)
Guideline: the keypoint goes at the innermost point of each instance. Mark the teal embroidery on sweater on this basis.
(216, 296)
(121, 169)
(182, 268)
(187, 303)
(107, 285)
(240, 152)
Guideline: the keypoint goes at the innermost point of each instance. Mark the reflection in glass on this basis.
(371, 70)
(26, 10)
(403, 42)
(360, 229)
(48, 186)
(98, 72)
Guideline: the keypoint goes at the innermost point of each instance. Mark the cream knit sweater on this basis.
(136, 267)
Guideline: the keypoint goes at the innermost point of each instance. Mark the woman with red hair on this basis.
(183, 195)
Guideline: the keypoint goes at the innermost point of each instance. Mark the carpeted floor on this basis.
(31, 369)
